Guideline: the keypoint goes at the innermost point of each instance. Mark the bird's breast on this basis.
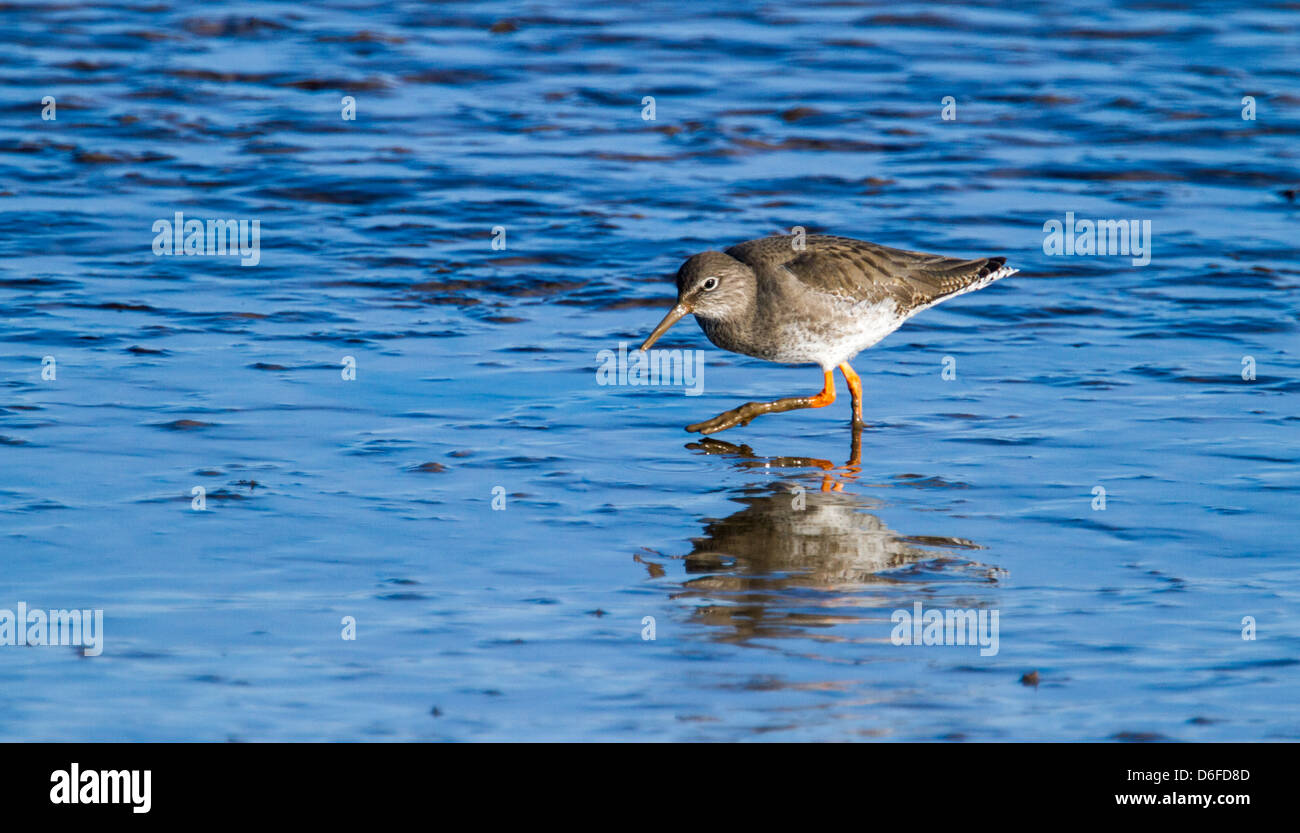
(824, 336)
(747, 339)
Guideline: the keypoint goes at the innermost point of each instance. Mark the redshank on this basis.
(815, 300)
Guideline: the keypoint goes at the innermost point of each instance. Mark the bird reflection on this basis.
(758, 564)
(832, 481)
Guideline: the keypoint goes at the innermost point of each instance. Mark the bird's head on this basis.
(713, 286)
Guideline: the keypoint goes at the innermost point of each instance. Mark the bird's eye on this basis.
(710, 284)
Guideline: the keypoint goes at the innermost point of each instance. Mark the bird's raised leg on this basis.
(746, 412)
(855, 388)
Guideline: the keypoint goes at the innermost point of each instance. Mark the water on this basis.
(475, 369)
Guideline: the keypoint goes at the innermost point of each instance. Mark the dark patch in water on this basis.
(185, 425)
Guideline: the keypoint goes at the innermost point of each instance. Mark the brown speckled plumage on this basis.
(858, 271)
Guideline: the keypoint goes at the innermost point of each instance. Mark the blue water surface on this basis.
(767, 571)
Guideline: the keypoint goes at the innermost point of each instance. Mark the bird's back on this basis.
(858, 271)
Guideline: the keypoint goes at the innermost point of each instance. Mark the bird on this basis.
(813, 299)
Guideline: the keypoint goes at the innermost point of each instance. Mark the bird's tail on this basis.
(949, 277)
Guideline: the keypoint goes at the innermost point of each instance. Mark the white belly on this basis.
(828, 347)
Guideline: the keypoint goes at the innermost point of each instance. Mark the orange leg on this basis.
(746, 412)
(855, 388)
(827, 396)
(821, 400)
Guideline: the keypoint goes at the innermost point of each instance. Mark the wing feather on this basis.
(858, 271)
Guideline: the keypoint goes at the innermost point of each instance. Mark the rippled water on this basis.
(476, 372)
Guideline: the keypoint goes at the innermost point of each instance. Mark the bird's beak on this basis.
(674, 315)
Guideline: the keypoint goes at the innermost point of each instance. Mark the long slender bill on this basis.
(674, 315)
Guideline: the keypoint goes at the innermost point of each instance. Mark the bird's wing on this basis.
(858, 271)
